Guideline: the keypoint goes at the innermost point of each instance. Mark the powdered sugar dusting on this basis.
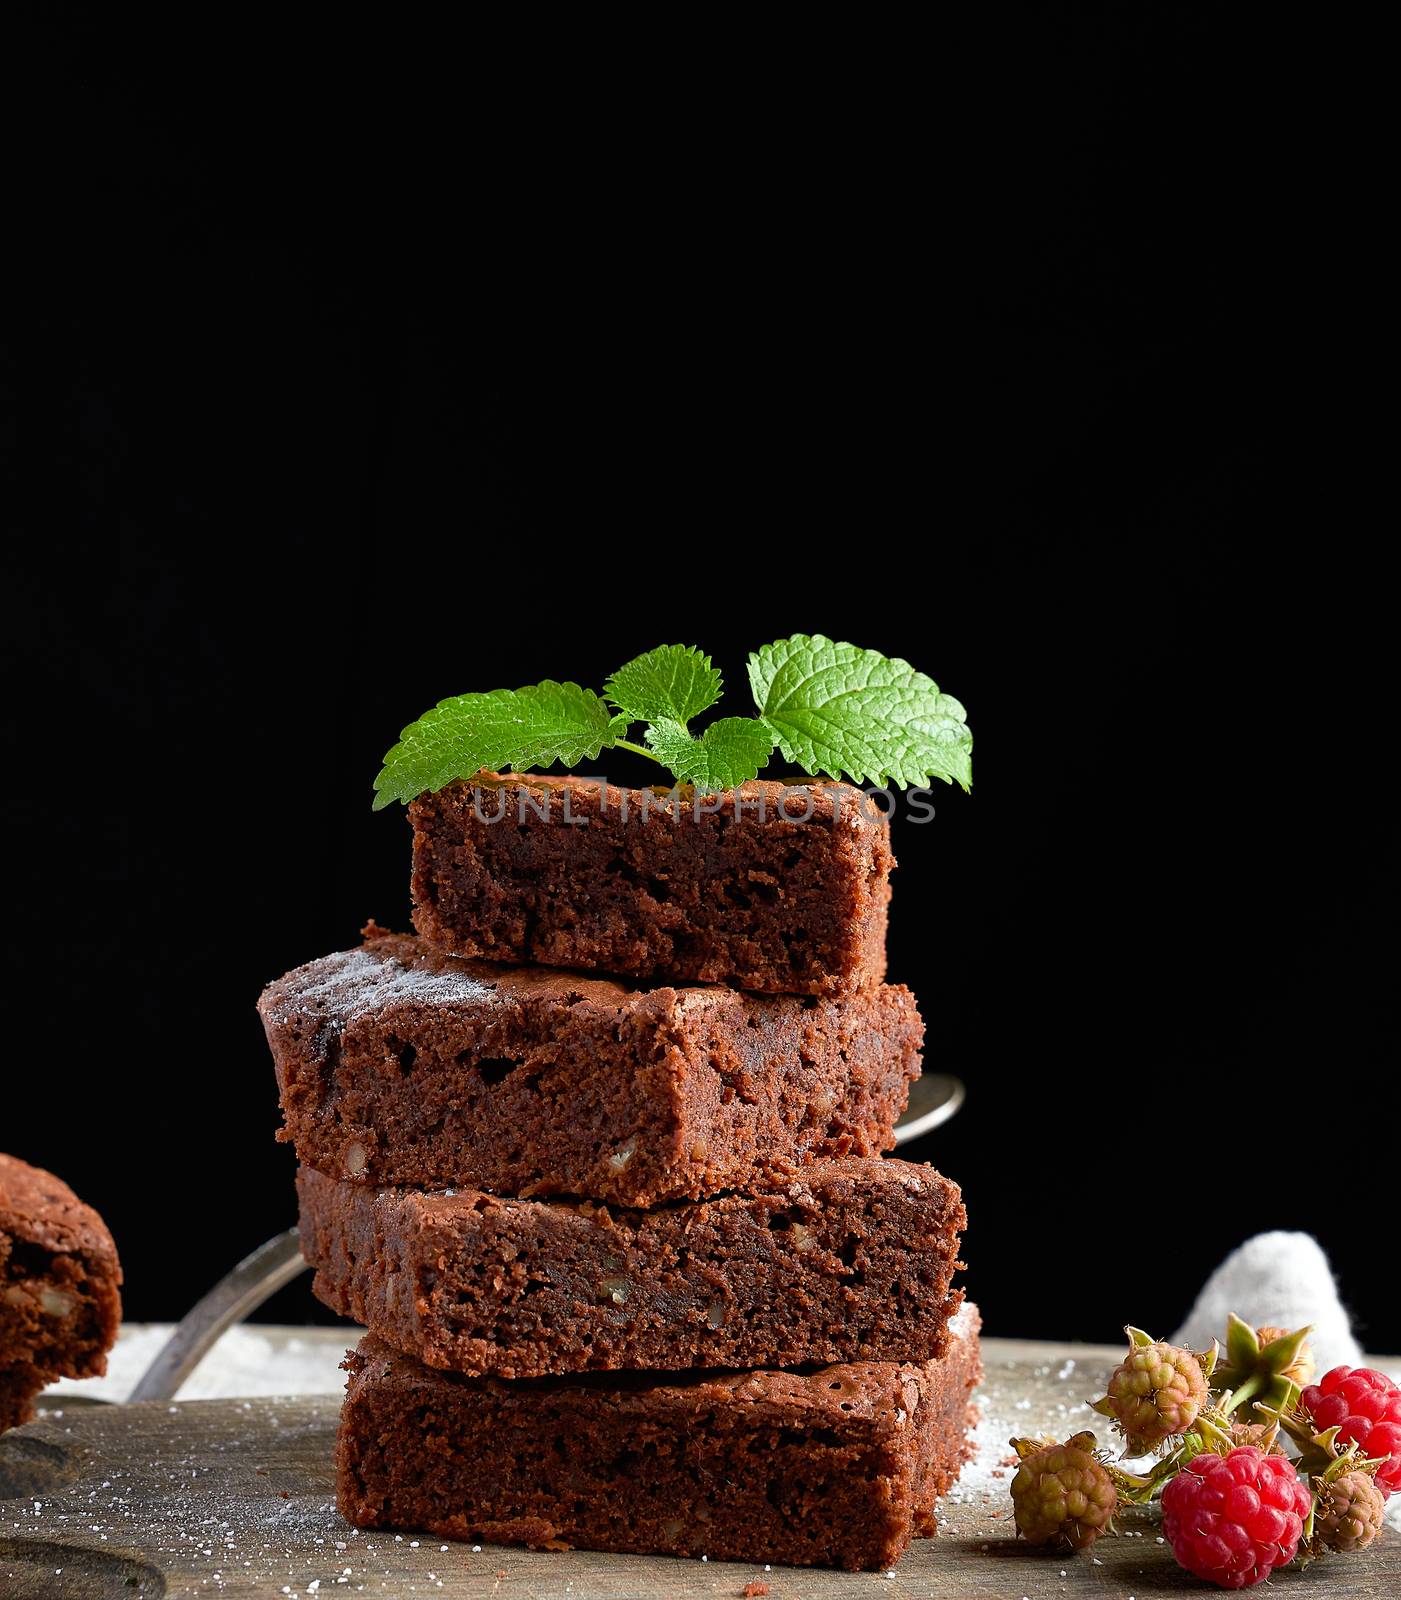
(962, 1322)
(985, 1474)
(356, 983)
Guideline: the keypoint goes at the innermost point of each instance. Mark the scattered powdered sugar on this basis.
(990, 1450)
(356, 983)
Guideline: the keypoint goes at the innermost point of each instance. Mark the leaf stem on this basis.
(638, 750)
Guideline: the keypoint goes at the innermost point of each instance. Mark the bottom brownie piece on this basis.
(839, 1467)
(59, 1279)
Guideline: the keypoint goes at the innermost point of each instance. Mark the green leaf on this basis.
(1242, 1346)
(835, 708)
(518, 728)
(674, 682)
(729, 752)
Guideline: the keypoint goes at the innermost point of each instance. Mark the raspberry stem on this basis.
(1211, 1434)
(1247, 1391)
(1138, 1491)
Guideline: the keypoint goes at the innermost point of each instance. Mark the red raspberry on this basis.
(1233, 1519)
(1365, 1407)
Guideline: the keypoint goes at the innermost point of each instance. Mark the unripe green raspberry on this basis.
(1062, 1494)
(1156, 1393)
(1350, 1512)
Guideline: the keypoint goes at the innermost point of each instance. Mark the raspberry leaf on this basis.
(838, 709)
(530, 727)
(674, 682)
(729, 752)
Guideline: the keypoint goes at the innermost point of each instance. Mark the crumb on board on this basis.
(754, 1588)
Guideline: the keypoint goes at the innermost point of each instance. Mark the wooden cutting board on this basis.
(233, 1498)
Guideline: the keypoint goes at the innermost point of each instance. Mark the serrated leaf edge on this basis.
(387, 791)
(634, 715)
(869, 765)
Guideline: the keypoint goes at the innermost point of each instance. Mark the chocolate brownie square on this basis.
(59, 1282)
(837, 1467)
(769, 887)
(846, 1261)
(400, 1064)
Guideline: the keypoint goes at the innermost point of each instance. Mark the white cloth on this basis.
(1276, 1280)
(246, 1361)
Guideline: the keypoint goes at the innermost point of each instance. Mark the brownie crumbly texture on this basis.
(850, 1261)
(59, 1281)
(762, 887)
(840, 1467)
(400, 1064)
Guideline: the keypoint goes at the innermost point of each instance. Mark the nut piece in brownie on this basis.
(848, 1261)
(59, 1281)
(400, 1064)
(840, 1467)
(766, 886)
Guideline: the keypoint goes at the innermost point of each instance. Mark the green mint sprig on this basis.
(833, 710)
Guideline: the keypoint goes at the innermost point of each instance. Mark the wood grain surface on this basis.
(233, 1498)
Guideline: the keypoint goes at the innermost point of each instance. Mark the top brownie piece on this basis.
(768, 887)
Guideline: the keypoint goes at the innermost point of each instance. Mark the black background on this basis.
(335, 390)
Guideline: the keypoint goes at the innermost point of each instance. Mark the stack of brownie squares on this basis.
(635, 1274)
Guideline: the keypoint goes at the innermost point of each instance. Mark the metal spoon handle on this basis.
(934, 1098)
(251, 1282)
